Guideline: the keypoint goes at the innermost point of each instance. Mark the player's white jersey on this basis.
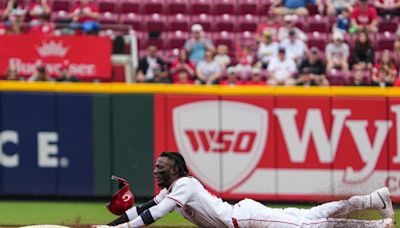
(196, 204)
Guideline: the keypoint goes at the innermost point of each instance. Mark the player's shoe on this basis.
(380, 200)
(388, 223)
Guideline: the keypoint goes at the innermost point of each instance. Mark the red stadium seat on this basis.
(170, 55)
(316, 39)
(135, 20)
(318, 23)
(246, 39)
(265, 6)
(366, 76)
(155, 22)
(204, 20)
(59, 16)
(108, 6)
(336, 77)
(385, 25)
(153, 6)
(178, 22)
(177, 7)
(225, 22)
(177, 39)
(312, 9)
(109, 18)
(247, 7)
(385, 41)
(248, 23)
(226, 38)
(145, 42)
(393, 56)
(201, 7)
(58, 5)
(224, 7)
(301, 23)
(131, 6)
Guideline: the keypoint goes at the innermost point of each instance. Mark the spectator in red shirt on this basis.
(84, 15)
(39, 10)
(364, 17)
(182, 63)
(387, 7)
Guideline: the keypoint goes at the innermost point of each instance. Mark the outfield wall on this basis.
(260, 142)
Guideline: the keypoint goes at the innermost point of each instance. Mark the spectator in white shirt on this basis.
(281, 69)
(267, 49)
(295, 47)
(289, 24)
(208, 71)
(337, 53)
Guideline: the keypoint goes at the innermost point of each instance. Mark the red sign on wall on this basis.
(87, 56)
(285, 148)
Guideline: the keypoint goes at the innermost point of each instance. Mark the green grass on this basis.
(70, 213)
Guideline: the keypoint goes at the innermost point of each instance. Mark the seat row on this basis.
(212, 23)
(218, 7)
(176, 39)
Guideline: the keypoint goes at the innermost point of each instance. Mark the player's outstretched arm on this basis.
(132, 213)
(150, 215)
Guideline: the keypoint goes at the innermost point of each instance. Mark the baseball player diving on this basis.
(186, 195)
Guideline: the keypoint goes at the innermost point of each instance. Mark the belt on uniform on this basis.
(235, 223)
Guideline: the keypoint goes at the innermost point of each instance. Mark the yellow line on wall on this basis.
(124, 88)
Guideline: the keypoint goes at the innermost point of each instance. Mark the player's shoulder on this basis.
(184, 182)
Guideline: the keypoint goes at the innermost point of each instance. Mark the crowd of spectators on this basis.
(282, 56)
(41, 74)
(19, 17)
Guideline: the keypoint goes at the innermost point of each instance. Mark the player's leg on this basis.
(251, 214)
(344, 223)
(380, 200)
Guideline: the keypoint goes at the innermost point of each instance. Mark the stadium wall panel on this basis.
(260, 142)
(74, 128)
(132, 140)
(24, 117)
(101, 144)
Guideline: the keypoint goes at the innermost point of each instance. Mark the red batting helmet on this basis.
(123, 199)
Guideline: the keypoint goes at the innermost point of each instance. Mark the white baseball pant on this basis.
(249, 213)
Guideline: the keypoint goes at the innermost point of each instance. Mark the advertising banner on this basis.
(86, 56)
(46, 144)
(284, 147)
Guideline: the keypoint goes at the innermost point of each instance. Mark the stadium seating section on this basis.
(224, 21)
